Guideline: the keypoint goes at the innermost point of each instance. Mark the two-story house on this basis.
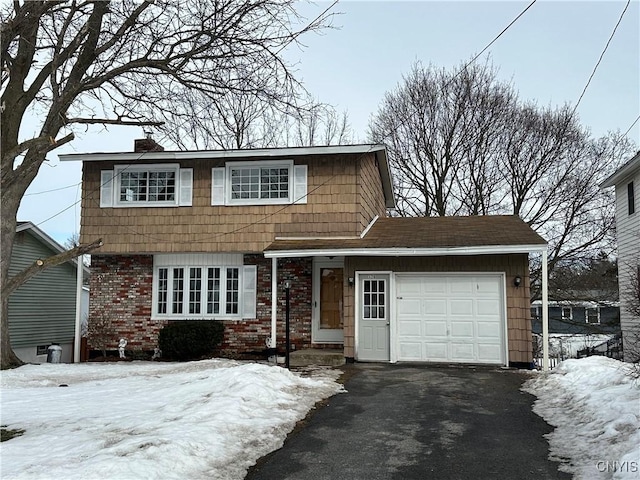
(213, 235)
(626, 181)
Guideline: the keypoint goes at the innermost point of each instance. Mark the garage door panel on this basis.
(410, 286)
(409, 328)
(488, 353)
(435, 306)
(411, 351)
(488, 307)
(462, 352)
(461, 307)
(435, 328)
(461, 284)
(460, 318)
(485, 285)
(488, 330)
(462, 329)
(435, 352)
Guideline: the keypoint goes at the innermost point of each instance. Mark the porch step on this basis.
(304, 358)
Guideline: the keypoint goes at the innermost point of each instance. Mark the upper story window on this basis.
(592, 315)
(631, 199)
(567, 313)
(259, 183)
(161, 185)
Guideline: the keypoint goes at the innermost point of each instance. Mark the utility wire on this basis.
(601, 56)
(52, 190)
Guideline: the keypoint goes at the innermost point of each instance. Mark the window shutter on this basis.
(106, 188)
(217, 186)
(299, 184)
(249, 280)
(186, 187)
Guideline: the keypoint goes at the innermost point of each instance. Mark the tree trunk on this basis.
(8, 358)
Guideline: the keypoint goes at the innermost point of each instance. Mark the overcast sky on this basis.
(548, 55)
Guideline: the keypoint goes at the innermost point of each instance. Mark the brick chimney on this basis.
(147, 144)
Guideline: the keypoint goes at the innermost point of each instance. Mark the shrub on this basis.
(190, 340)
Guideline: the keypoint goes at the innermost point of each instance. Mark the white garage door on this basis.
(450, 318)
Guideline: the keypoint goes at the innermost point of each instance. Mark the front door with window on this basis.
(328, 305)
(373, 321)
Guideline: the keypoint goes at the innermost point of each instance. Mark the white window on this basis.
(204, 291)
(259, 183)
(592, 315)
(162, 185)
(536, 312)
(567, 313)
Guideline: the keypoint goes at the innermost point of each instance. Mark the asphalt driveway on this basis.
(411, 421)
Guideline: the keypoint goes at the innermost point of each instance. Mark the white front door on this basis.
(373, 321)
(328, 304)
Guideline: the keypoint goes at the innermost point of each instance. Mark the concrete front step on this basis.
(303, 358)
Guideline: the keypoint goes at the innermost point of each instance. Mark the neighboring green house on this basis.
(43, 310)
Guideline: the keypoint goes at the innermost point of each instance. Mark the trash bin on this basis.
(54, 353)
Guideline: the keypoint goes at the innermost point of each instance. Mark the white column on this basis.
(76, 342)
(545, 314)
(274, 300)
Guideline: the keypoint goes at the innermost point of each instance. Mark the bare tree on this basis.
(441, 129)
(461, 143)
(240, 121)
(69, 64)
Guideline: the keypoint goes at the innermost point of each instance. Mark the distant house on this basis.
(626, 181)
(43, 310)
(578, 317)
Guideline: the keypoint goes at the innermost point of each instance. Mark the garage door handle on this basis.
(398, 298)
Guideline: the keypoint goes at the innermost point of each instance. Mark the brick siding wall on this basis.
(121, 289)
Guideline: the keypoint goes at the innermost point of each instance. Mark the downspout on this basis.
(76, 337)
(545, 313)
(274, 301)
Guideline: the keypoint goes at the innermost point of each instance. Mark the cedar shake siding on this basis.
(518, 302)
(371, 195)
(344, 194)
(121, 290)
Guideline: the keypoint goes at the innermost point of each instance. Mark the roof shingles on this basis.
(429, 232)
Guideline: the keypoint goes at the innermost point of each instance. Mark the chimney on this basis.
(147, 144)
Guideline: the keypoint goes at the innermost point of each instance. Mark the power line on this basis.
(601, 56)
(632, 125)
(499, 35)
(52, 190)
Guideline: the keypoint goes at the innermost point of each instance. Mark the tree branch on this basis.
(114, 121)
(40, 265)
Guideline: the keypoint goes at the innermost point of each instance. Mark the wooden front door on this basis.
(328, 302)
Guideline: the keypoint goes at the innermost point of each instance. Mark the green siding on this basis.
(43, 310)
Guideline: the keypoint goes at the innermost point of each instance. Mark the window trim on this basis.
(187, 291)
(631, 198)
(246, 284)
(229, 166)
(569, 317)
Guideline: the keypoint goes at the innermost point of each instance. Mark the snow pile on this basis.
(594, 403)
(210, 419)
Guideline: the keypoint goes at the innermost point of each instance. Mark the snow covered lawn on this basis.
(594, 405)
(210, 419)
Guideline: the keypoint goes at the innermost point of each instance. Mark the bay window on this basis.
(204, 291)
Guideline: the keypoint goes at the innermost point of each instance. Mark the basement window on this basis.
(42, 349)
